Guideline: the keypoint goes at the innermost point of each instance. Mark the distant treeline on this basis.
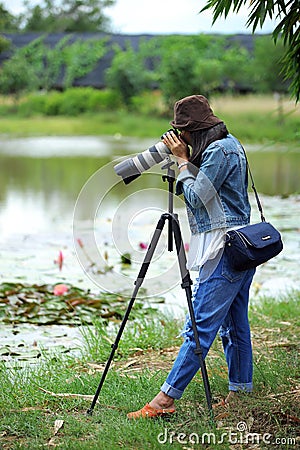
(177, 65)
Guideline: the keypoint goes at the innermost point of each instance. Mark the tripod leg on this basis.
(186, 284)
(138, 284)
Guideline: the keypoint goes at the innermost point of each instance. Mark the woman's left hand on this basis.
(177, 145)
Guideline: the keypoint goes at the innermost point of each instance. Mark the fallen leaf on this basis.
(57, 425)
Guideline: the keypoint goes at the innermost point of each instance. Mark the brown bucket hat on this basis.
(193, 113)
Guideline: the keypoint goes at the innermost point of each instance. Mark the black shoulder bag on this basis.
(252, 245)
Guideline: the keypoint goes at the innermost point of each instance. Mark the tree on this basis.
(186, 64)
(288, 11)
(128, 74)
(8, 22)
(267, 66)
(5, 44)
(17, 76)
(37, 66)
(67, 16)
(81, 57)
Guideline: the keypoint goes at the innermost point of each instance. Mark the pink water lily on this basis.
(60, 289)
(143, 245)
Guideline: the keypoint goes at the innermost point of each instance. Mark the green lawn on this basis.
(34, 413)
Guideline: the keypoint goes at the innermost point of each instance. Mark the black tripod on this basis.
(173, 230)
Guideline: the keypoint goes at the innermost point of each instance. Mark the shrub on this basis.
(104, 100)
(33, 104)
(53, 104)
(72, 102)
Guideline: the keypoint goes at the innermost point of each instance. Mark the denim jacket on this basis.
(216, 194)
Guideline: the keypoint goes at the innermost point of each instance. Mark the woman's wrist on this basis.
(181, 159)
(182, 165)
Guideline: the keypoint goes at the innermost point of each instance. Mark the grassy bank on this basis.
(45, 406)
(252, 118)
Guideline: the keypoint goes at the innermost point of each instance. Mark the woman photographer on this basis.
(213, 180)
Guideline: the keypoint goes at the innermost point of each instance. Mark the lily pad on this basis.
(38, 304)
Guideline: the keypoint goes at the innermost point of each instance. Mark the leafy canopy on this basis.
(288, 28)
(53, 16)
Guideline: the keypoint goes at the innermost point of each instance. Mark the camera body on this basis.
(132, 168)
(171, 130)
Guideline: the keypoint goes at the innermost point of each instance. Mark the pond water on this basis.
(52, 187)
(57, 193)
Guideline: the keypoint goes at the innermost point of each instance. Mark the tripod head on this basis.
(170, 177)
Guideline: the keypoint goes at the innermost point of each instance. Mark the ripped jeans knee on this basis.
(225, 334)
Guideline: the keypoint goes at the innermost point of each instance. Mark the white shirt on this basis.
(205, 246)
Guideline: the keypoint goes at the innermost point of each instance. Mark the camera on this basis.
(132, 168)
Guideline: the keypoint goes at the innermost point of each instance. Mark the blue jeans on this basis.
(220, 304)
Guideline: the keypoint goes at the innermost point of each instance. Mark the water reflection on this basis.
(276, 172)
(42, 178)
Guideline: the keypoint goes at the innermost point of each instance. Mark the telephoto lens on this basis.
(132, 168)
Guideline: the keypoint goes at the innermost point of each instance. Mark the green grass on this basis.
(146, 351)
(252, 118)
(109, 123)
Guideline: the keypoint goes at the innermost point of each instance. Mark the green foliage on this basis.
(80, 58)
(176, 65)
(17, 76)
(236, 66)
(288, 28)
(72, 102)
(267, 71)
(24, 70)
(8, 22)
(183, 65)
(37, 66)
(179, 64)
(54, 62)
(4, 44)
(67, 16)
(97, 101)
(177, 76)
(128, 74)
(149, 103)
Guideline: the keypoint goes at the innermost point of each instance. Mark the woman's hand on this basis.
(176, 144)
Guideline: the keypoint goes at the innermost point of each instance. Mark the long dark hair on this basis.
(201, 139)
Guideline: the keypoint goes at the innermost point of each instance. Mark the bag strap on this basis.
(263, 219)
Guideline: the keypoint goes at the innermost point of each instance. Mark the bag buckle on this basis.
(265, 238)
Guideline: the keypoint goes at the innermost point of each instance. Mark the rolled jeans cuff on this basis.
(240, 387)
(171, 392)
